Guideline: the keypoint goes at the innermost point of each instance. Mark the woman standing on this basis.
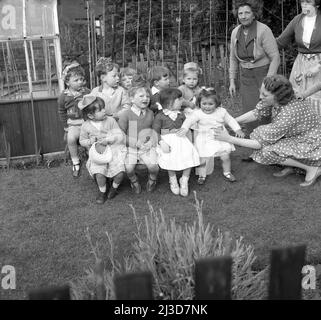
(304, 29)
(254, 51)
(292, 139)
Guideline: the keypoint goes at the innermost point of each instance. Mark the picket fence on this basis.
(212, 280)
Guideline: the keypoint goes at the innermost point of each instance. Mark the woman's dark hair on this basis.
(280, 87)
(168, 96)
(209, 93)
(255, 5)
(98, 104)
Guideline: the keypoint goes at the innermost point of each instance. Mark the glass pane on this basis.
(43, 68)
(13, 69)
(40, 17)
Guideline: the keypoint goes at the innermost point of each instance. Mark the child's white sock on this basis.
(115, 185)
(103, 189)
(75, 162)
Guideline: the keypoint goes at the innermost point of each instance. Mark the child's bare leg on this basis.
(130, 170)
(153, 170)
(226, 164)
(101, 182)
(72, 141)
(117, 179)
(187, 172)
(201, 170)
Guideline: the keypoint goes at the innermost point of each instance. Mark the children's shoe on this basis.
(137, 188)
(112, 193)
(201, 180)
(184, 187)
(101, 197)
(229, 176)
(151, 185)
(174, 186)
(76, 170)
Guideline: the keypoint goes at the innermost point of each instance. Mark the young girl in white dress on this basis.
(175, 153)
(210, 116)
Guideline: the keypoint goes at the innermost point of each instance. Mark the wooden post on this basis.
(285, 274)
(213, 278)
(124, 32)
(191, 31)
(50, 293)
(148, 38)
(210, 54)
(137, 31)
(134, 286)
(104, 28)
(204, 66)
(89, 46)
(162, 9)
(178, 40)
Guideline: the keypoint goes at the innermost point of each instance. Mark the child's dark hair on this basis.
(98, 104)
(105, 65)
(209, 93)
(156, 73)
(168, 96)
(72, 70)
(138, 82)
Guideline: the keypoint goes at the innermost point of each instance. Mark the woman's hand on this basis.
(221, 135)
(239, 134)
(182, 132)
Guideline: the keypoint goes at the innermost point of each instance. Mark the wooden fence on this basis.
(213, 61)
(213, 278)
(30, 127)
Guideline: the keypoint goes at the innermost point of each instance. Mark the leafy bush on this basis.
(169, 250)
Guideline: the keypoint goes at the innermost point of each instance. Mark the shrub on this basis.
(169, 250)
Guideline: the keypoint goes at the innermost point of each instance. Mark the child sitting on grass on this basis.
(159, 80)
(175, 153)
(100, 131)
(70, 115)
(136, 123)
(114, 96)
(209, 117)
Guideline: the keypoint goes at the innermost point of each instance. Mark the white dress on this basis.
(182, 155)
(205, 142)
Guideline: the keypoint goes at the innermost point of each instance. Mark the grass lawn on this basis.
(44, 214)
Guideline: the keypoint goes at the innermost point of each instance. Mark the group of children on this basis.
(128, 120)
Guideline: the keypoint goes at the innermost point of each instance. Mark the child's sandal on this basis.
(151, 185)
(76, 170)
(201, 180)
(136, 186)
(229, 176)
